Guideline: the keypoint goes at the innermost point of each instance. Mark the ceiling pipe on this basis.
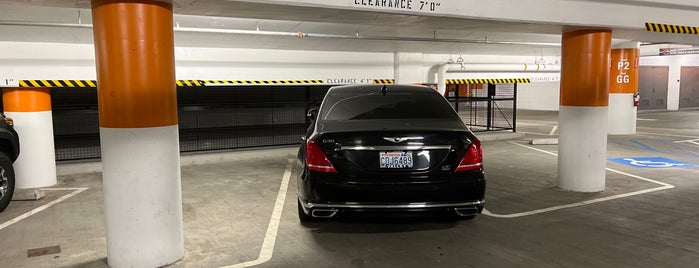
(297, 34)
(488, 67)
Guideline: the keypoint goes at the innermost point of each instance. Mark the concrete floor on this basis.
(640, 220)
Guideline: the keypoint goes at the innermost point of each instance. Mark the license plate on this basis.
(395, 160)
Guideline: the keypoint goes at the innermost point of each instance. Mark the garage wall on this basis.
(543, 96)
(76, 61)
(33, 60)
(675, 64)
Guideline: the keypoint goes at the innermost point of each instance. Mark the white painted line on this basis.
(273, 227)
(669, 135)
(553, 130)
(664, 186)
(533, 148)
(46, 206)
(646, 119)
(694, 141)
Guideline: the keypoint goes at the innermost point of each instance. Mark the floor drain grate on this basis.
(35, 252)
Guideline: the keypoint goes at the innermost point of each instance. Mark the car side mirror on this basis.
(312, 114)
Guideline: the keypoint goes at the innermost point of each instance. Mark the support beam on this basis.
(407, 68)
(137, 101)
(582, 147)
(31, 111)
(623, 86)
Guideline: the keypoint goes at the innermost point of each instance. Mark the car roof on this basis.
(377, 88)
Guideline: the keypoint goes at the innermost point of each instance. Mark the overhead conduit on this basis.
(486, 67)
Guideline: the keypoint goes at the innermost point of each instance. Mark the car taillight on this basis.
(473, 159)
(316, 159)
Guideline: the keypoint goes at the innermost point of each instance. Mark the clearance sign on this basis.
(430, 6)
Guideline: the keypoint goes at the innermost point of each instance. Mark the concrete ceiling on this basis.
(381, 32)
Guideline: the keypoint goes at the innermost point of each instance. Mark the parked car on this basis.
(395, 148)
(9, 151)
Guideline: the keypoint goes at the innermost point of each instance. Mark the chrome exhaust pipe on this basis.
(466, 211)
(324, 212)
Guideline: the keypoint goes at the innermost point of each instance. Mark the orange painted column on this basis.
(30, 109)
(582, 145)
(137, 99)
(623, 87)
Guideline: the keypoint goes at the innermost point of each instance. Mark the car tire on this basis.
(7, 181)
(303, 217)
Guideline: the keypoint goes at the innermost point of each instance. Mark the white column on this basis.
(142, 196)
(582, 153)
(408, 68)
(622, 114)
(584, 99)
(36, 165)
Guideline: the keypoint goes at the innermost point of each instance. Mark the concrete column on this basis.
(582, 146)
(30, 109)
(137, 102)
(407, 68)
(623, 85)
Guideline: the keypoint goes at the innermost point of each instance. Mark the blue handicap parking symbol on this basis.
(651, 162)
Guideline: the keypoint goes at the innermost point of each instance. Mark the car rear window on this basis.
(394, 105)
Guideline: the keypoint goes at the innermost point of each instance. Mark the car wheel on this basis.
(303, 217)
(7, 181)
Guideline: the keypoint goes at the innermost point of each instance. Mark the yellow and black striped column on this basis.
(33, 120)
(137, 102)
(582, 146)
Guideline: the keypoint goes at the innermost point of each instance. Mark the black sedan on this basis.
(395, 148)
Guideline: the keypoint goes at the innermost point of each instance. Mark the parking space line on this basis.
(644, 146)
(663, 186)
(553, 130)
(674, 144)
(669, 135)
(46, 206)
(693, 141)
(273, 227)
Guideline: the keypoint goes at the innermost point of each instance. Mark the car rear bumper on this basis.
(347, 193)
(405, 206)
(327, 210)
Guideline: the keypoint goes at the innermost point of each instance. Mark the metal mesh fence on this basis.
(210, 118)
(486, 108)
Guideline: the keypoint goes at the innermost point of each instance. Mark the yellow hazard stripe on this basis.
(262, 82)
(86, 83)
(488, 81)
(669, 28)
(57, 83)
(188, 83)
(179, 83)
(384, 81)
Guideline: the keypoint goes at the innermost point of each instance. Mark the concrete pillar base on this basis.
(28, 194)
(582, 149)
